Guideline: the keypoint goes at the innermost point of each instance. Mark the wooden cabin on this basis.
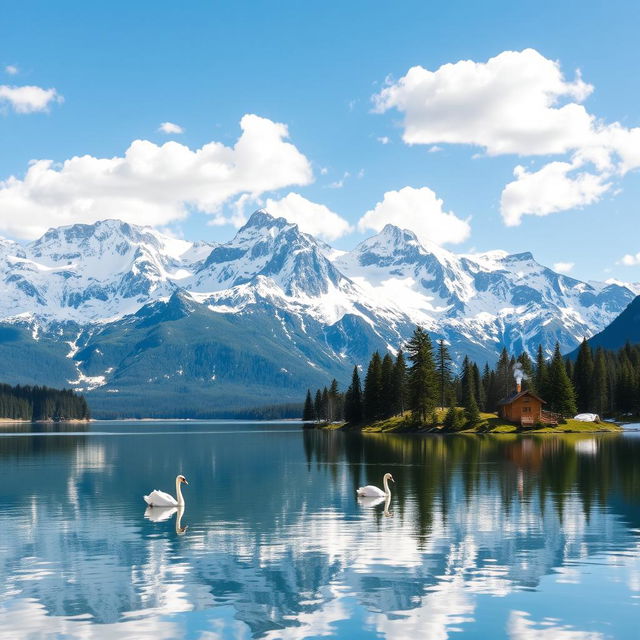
(525, 408)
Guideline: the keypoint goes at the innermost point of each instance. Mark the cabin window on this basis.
(526, 409)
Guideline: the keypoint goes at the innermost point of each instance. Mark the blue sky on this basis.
(120, 69)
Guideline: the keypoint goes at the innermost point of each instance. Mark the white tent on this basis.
(588, 417)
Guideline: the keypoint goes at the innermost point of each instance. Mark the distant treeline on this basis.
(143, 410)
(41, 403)
(606, 383)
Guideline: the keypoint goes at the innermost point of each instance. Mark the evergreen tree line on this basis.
(41, 403)
(421, 378)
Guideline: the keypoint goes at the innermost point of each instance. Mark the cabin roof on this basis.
(518, 394)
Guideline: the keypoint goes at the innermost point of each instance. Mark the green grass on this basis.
(490, 423)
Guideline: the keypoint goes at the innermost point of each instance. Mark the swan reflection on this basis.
(159, 514)
(162, 514)
(371, 502)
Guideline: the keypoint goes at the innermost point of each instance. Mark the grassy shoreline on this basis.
(490, 423)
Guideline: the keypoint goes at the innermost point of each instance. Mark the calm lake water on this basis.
(485, 536)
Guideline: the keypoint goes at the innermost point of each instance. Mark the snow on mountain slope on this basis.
(88, 273)
(372, 295)
(493, 299)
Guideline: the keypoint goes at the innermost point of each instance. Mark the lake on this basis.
(518, 537)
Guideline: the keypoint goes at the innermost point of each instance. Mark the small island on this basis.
(426, 396)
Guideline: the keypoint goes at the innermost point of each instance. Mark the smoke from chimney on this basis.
(519, 375)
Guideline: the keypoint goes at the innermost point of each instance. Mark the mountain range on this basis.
(147, 324)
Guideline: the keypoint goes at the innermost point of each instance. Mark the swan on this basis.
(161, 499)
(373, 492)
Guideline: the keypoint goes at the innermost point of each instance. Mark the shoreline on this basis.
(70, 421)
(490, 425)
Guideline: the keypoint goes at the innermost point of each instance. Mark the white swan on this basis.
(373, 492)
(161, 499)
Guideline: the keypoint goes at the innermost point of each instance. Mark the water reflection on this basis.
(278, 546)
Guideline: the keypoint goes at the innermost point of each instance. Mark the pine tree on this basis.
(387, 396)
(353, 400)
(335, 410)
(308, 411)
(422, 382)
(583, 377)
(372, 404)
(317, 405)
(478, 389)
(325, 404)
(466, 381)
(600, 388)
(471, 412)
(542, 374)
(400, 383)
(452, 418)
(492, 397)
(561, 394)
(504, 375)
(443, 371)
(469, 402)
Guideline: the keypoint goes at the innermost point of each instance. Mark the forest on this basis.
(422, 377)
(41, 403)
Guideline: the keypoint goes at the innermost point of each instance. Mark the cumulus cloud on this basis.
(311, 217)
(28, 99)
(556, 187)
(564, 267)
(518, 102)
(419, 210)
(508, 104)
(11, 69)
(170, 127)
(153, 184)
(384, 140)
(630, 260)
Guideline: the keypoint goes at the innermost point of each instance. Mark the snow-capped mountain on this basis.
(123, 310)
(89, 273)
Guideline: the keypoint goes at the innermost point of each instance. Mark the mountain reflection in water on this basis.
(486, 536)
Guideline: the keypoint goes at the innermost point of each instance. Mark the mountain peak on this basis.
(261, 219)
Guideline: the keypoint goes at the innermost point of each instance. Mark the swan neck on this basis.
(385, 482)
(179, 497)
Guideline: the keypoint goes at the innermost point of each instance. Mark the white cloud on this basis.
(324, 171)
(630, 260)
(434, 149)
(419, 210)
(509, 104)
(555, 187)
(11, 69)
(153, 184)
(28, 99)
(564, 267)
(384, 140)
(170, 127)
(313, 218)
(518, 102)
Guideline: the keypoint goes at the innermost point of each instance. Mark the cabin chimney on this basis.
(518, 387)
